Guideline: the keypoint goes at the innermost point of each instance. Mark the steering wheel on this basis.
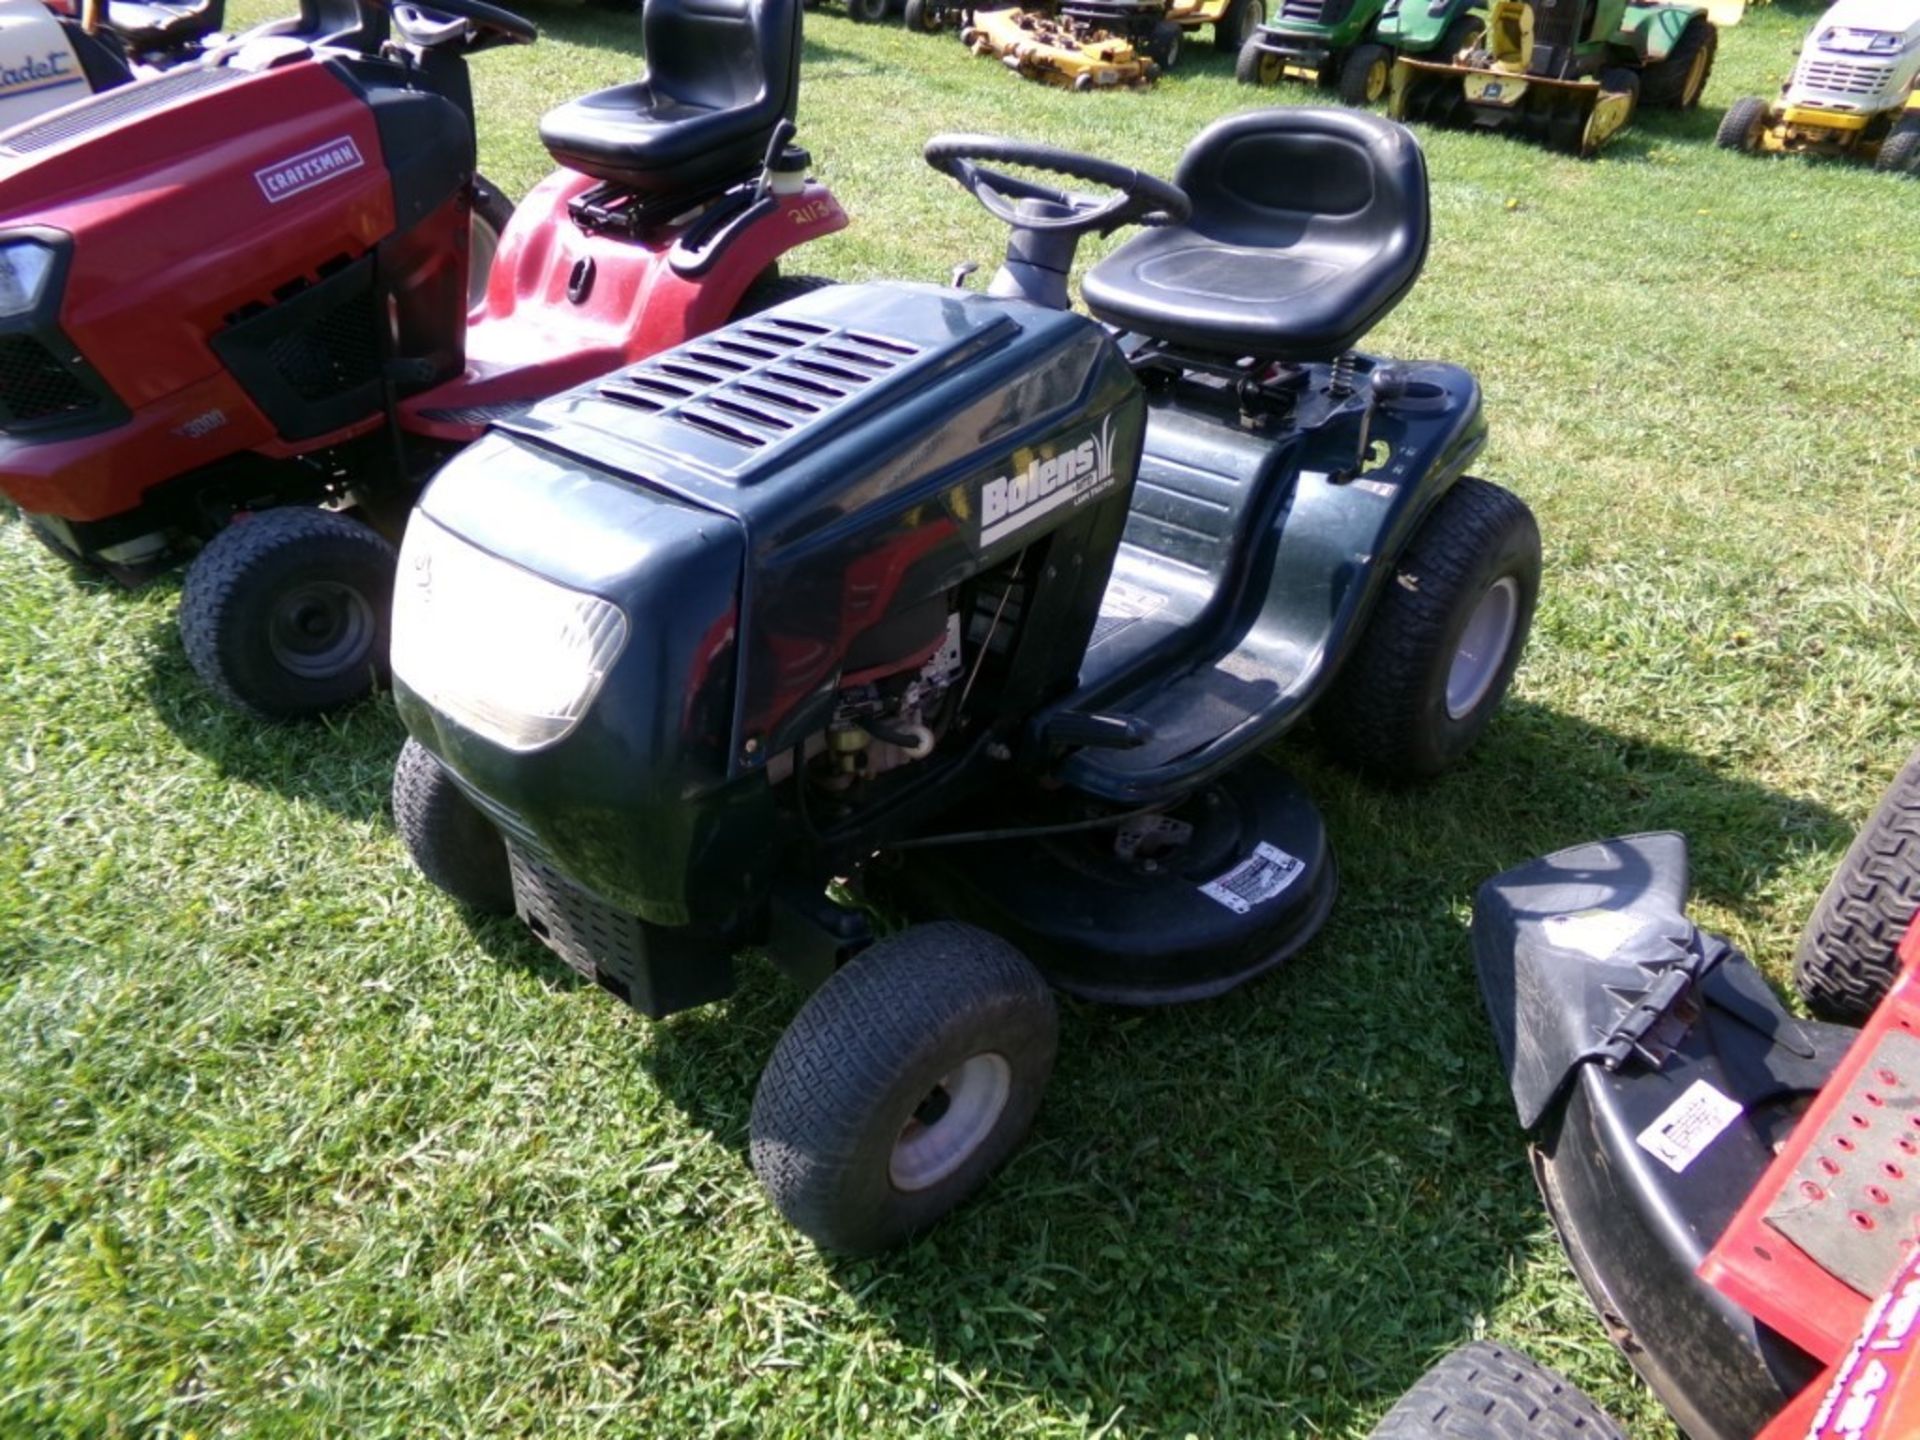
(1143, 199)
(472, 24)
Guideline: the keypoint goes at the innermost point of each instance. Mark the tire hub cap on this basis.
(951, 1123)
(1483, 647)
(320, 629)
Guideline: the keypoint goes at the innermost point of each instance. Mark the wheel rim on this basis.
(1696, 79)
(1270, 68)
(1376, 80)
(483, 243)
(951, 1124)
(320, 629)
(1482, 651)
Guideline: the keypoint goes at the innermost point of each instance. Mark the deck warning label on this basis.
(1688, 1126)
(1255, 880)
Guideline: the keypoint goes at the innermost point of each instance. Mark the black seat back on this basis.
(725, 54)
(1339, 182)
(1308, 226)
(721, 76)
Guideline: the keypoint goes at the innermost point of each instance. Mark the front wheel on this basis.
(1900, 151)
(1488, 1392)
(1446, 635)
(1364, 74)
(925, 16)
(1846, 962)
(1742, 125)
(1238, 24)
(773, 289)
(1258, 66)
(284, 613)
(449, 840)
(902, 1084)
(868, 12)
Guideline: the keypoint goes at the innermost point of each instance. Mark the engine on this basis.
(745, 598)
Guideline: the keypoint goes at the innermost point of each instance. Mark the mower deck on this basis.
(1060, 50)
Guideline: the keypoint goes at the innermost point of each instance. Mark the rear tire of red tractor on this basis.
(1446, 634)
(773, 289)
(1741, 127)
(285, 613)
(1364, 74)
(450, 841)
(902, 1084)
(491, 212)
(1846, 962)
(1900, 151)
(1677, 82)
(1484, 1390)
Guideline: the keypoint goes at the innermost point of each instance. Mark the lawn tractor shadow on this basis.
(342, 762)
(1266, 1214)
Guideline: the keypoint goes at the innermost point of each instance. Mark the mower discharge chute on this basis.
(981, 601)
(1565, 73)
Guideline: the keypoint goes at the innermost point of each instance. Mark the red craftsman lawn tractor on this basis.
(1738, 1189)
(234, 298)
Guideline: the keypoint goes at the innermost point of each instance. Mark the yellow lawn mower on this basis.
(1096, 44)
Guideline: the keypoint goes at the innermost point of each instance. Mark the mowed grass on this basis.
(289, 1147)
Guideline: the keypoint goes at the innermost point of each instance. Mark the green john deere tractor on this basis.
(1351, 44)
(1568, 73)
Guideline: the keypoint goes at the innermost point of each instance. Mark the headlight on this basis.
(25, 268)
(511, 656)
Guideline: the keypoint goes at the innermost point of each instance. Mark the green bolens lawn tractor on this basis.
(1567, 75)
(1351, 44)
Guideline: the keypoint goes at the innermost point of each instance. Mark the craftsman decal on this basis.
(1073, 476)
(313, 167)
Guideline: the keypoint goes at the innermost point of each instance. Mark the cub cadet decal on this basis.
(287, 178)
(1074, 475)
(50, 72)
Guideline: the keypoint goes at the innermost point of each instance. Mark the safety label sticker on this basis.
(1689, 1125)
(1597, 934)
(1122, 605)
(1255, 880)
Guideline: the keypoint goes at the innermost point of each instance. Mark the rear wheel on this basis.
(1488, 1392)
(1364, 74)
(1677, 82)
(1238, 23)
(773, 289)
(1446, 634)
(284, 613)
(926, 16)
(1846, 961)
(1900, 151)
(488, 221)
(1163, 46)
(1257, 66)
(869, 12)
(451, 842)
(902, 1084)
(1742, 125)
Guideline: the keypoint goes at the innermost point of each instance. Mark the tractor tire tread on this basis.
(1663, 84)
(1372, 710)
(215, 588)
(450, 841)
(1846, 960)
(1740, 123)
(1484, 1391)
(1900, 151)
(849, 1046)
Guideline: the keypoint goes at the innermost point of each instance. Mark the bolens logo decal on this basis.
(287, 178)
(1074, 475)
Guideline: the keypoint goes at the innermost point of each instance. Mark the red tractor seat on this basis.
(721, 74)
(1308, 227)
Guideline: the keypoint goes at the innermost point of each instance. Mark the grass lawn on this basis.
(287, 1147)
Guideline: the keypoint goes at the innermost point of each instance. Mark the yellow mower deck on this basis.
(1059, 51)
(1578, 116)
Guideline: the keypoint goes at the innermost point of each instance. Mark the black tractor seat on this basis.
(721, 74)
(150, 25)
(1308, 226)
